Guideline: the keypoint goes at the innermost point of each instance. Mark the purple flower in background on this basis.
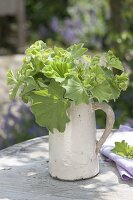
(54, 24)
(70, 30)
(43, 32)
(19, 124)
(68, 35)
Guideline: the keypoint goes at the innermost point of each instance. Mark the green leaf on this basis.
(118, 83)
(11, 78)
(102, 91)
(121, 81)
(113, 61)
(101, 83)
(60, 52)
(75, 91)
(42, 93)
(95, 61)
(13, 91)
(55, 89)
(43, 82)
(115, 92)
(13, 84)
(50, 112)
(30, 85)
(50, 109)
(77, 50)
(95, 76)
(36, 47)
(58, 70)
(123, 149)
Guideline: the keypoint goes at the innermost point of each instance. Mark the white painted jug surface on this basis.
(73, 154)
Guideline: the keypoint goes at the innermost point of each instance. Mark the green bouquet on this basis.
(51, 78)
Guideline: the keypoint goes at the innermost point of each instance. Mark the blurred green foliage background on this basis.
(100, 25)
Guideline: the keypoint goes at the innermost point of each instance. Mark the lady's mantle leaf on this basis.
(30, 85)
(13, 83)
(50, 110)
(56, 90)
(76, 91)
(58, 70)
(121, 81)
(11, 78)
(102, 91)
(123, 149)
(94, 76)
(36, 47)
(117, 84)
(77, 50)
(115, 92)
(113, 61)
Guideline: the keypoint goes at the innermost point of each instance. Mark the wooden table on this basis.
(24, 176)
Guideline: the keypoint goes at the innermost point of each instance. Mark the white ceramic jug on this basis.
(73, 154)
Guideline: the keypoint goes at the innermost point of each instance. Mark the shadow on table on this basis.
(28, 162)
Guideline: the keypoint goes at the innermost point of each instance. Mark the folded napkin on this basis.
(124, 165)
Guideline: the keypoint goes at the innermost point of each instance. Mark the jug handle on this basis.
(110, 118)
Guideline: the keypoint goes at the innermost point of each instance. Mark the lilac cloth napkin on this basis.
(124, 165)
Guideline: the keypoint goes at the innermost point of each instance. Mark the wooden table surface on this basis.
(24, 176)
